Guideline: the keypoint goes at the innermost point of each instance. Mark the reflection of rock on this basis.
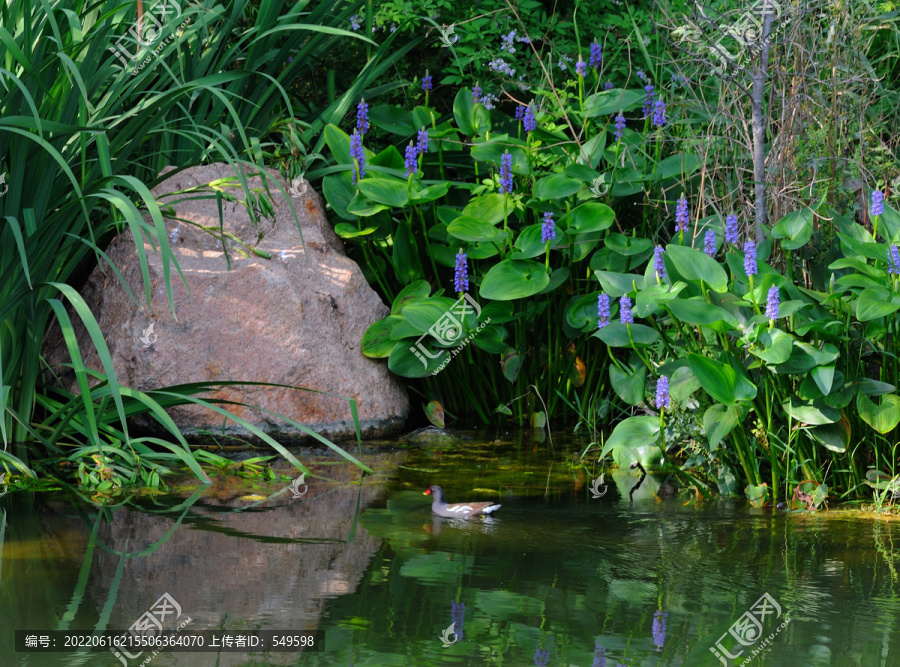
(271, 567)
(295, 319)
(434, 437)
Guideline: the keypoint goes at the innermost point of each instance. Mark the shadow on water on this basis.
(564, 574)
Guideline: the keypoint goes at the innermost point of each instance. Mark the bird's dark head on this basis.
(433, 490)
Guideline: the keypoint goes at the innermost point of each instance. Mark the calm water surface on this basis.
(557, 577)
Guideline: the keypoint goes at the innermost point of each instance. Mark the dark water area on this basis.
(555, 577)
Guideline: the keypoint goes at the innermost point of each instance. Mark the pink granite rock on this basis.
(295, 318)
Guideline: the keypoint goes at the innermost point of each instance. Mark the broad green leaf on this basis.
(464, 112)
(388, 191)
(423, 314)
(616, 335)
(430, 193)
(491, 339)
(721, 381)
(795, 228)
(338, 143)
(590, 217)
(774, 346)
(757, 495)
(556, 186)
(619, 284)
(435, 413)
(376, 341)
(884, 417)
(487, 208)
(529, 244)
(823, 376)
(834, 437)
(415, 359)
(473, 231)
(393, 119)
(511, 364)
(682, 164)
(696, 265)
(581, 314)
(493, 150)
(347, 231)
(362, 207)
(875, 302)
(810, 412)
(514, 279)
(339, 193)
(698, 311)
(650, 300)
(627, 245)
(682, 384)
(416, 290)
(630, 437)
(629, 383)
(608, 102)
(718, 421)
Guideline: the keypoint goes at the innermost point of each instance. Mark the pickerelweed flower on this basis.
(640, 74)
(659, 266)
(422, 143)
(426, 82)
(681, 215)
(893, 260)
(625, 316)
(731, 228)
(620, 126)
(596, 55)
(520, 112)
(709, 243)
(458, 615)
(412, 165)
(580, 68)
(461, 273)
(476, 93)
(563, 59)
(659, 628)
(649, 100)
(772, 301)
(506, 177)
(750, 267)
(529, 122)
(659, 113)
(488, 100)
(541, 657)
(355, 23)
(662, 392)
(362, 117)
(608, 85)
(358, 154)
(877, 203)
(602, 310)
(599, 656)
(548, 228)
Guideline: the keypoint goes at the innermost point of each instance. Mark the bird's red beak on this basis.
(426, 493)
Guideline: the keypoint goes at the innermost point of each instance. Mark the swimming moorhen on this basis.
(440, 506)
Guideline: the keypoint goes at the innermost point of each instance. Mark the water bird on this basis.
(440, 506)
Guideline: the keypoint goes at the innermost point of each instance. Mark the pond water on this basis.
(556, 577)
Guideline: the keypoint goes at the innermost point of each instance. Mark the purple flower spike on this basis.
(476, 94)
(709, 243)
(608, 85)
(362, 117)
(662, 392)
(520, 112)
(625, 316)
(426, 82)
(681, 215)
(359, 155)
(529, 122)
(750, 267)
(599, 656)
(650, 99)
(659, 114)
(422, 143)
(506, 178)
(541, 657)
(893, 260)
(772, 301)
(461, 273)
(658, 264)
(602, 310)
(581, 68)
(620, 126)
(877, 203)
(458, 614)
(548, 228)
(596, 55)
(412, 165)
(731, 228)
(659, 628)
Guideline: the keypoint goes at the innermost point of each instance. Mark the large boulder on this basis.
(288, 310)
